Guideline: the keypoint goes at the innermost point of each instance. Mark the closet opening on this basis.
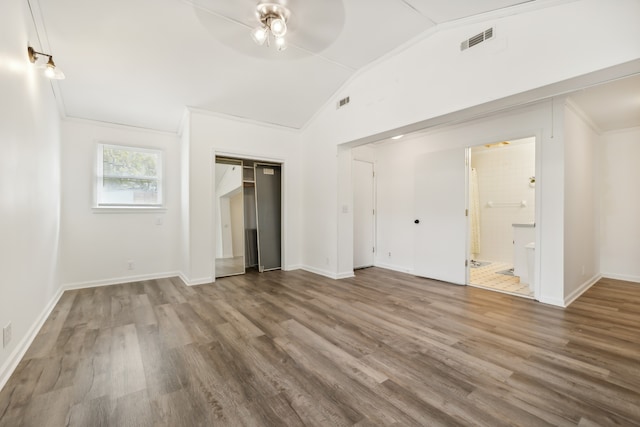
(248, 196)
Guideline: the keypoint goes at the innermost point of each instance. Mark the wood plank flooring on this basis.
(294, 348)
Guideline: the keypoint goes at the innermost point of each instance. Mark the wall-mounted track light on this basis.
(50, 69)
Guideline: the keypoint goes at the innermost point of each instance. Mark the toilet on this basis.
(530, 248)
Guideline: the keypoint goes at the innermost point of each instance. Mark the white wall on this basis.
(619, 155)
(185, 248)
(96, 246)
(414, 89)
(432, 77)
(29, 186)
(582, 221)
(210, 135)
(395, 171)
(503, 177)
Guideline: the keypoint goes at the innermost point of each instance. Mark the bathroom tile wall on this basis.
(503, 177)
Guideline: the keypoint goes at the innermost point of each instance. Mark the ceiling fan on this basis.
(248, 26)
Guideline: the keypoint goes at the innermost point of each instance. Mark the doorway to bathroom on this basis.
(502, 216)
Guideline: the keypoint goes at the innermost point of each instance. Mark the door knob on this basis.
(417, 221)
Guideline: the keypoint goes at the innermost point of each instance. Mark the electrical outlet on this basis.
(131, 265)
(6, 335)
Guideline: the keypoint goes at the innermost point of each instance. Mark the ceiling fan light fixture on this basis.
(273, 19)
(278, 27)
(259, 35)
(281, 44)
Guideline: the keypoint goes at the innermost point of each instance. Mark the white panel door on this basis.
(363, 214)
(441, 223)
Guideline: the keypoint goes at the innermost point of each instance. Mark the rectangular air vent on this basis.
(343, 102)
(477, 39)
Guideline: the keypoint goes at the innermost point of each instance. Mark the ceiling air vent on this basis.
(477, 39)
(343, 102)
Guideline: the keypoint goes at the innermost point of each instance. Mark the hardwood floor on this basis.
(294, 348)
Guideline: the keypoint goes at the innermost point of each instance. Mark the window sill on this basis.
(128, 209)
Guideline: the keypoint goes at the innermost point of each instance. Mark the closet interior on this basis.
(248, 196)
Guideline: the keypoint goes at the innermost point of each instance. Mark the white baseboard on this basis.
(558, 302)
(394, 267)
(293, 267)
(345, 275)
(199, 281)
(18, 353)
(194, 282)
(325, 273)
(118, 280)
(581, 289)
(625, 277)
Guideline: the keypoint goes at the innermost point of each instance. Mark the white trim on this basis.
(292, 267)
(552, 301)
(583, 116)
(184, 121)
(394, 267)
(183, 277)
(119, 280)
(625, 277)
(319, 271)
(18, 353)
(118, 126)
(195, 282)
(617, 131)
(199, 281)
(581, 289)
(128, 209)
(345, 275)
(241, 119)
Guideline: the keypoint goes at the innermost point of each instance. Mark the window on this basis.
(128, 177)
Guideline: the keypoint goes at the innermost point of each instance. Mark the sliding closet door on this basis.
(229, 223)
(269, 214)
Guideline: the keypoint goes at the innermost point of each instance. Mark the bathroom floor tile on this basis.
(488, 277)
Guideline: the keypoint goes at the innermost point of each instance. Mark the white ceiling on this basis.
(142, 62)
(611, 106)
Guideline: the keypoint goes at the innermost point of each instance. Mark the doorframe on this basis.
(374, 189)
(537, 135)
(284, 202)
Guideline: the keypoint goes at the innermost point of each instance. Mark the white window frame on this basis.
(99, 180)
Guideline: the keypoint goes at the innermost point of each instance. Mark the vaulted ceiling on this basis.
(142, 62)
